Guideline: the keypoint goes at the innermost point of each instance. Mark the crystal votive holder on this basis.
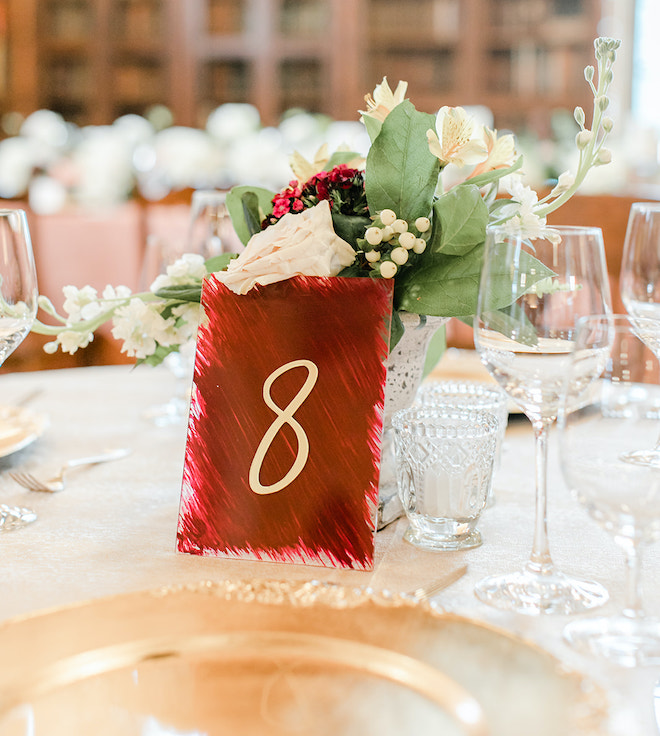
(444, 468)
(472, 395)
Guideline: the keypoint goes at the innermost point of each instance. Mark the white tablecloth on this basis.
(113, 529)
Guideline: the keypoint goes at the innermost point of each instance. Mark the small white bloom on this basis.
(80, 304)
(190, 267)
(583, 138)
(141, 327)
(564, 183)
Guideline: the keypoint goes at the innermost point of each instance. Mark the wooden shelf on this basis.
(522, 58)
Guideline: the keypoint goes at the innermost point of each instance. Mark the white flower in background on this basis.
(69, 341)
(232, 121)
(453, 141)
(259, 159)
(303, 243)
(521, 212)
(48, 128)
(46, 195)
(189, 317)
(186, 157)
(564, 183)
(350, 135)
(103, 159)
(134, 129)
(17, 163)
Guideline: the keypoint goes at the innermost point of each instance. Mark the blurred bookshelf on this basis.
(94, 60)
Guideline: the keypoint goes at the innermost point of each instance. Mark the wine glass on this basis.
(18, 307)
(639, 279)
(531, 292)
(599, 428)
(210, 233)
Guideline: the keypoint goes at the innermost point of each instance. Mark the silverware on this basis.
(56, 483)
(427, 592)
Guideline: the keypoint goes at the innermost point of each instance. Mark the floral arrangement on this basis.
(388, 216)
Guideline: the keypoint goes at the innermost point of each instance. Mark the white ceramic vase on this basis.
(405, 369)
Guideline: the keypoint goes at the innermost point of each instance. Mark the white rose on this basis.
(303, 244)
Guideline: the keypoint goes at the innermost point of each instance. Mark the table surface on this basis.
(113, 529)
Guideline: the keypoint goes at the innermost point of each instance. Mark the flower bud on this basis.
(422, 224)
(399, 255)
(400, 226)
(603, 102)
(420, 246)
(579, 116)
(583, 138)
(608, 124)
(589, 73)
(407, 240)
(372, 256)
(388, 269)
(604, 157)
(387, 217)
(373, 235)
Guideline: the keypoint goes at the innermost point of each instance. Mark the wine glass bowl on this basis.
(639, 279)
(531, 293)
(18, 308)
(601, 429)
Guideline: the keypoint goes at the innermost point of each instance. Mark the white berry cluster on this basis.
(390, 242)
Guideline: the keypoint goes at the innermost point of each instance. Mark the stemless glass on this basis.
(599, 429)
(639, 279)
(18, 307)
(531, 293)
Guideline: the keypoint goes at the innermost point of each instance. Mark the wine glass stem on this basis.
(633, 605)
(540, 561)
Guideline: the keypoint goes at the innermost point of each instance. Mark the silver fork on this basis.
(427, 592)
(56, 483)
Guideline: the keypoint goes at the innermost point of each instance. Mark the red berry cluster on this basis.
(342, 186)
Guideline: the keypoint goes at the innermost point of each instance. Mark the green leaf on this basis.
(460, 218)
(512, 321)
(219, 262)
(435, 350)
(396, 330)
(401, 172)
(247, 207)
(373, 126)
(181, 292)
(349, 227)
(446, 287)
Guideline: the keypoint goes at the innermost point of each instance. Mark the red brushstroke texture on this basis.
(326, 516)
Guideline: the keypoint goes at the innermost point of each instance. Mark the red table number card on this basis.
(283, 449)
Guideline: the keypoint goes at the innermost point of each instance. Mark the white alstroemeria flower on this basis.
(190, 267)
(453, 141)
(501, 152)
(521, 212)
(298, 244)
(383, 100)
(141, 326)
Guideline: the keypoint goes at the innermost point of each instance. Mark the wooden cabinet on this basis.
(93, 60)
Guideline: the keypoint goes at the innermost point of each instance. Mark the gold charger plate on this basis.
(279, 658)
(19, 427)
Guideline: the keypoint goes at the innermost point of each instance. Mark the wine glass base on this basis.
(535, 593)
(627, 642)
(15, 517)
(437, 543)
